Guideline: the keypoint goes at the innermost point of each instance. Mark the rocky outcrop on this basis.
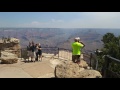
(90, 74)
(11, 45)
(8, 58)
(10, 50)
(68, 69)
(14, 40)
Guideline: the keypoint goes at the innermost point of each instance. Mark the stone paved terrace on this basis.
(44, 69)
(39, 69)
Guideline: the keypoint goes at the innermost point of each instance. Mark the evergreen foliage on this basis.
(111, 47)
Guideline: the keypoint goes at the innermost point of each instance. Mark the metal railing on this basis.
(106, 72)
(91, 59)
(47, 50)
(58, 52)
(65, 54)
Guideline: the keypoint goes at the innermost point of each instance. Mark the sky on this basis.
(60, 19)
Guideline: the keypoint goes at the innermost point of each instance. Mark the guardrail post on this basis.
(21, 53)
(58, 52)
(106, 65)
(90, 60)
(0, 52)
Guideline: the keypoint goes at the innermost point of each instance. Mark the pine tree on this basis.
(111, 47)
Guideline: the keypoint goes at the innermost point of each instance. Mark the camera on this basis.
(98, 52)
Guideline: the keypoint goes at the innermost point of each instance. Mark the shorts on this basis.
(29, 53)
(32, 54)
(76, 58)
(39, 53)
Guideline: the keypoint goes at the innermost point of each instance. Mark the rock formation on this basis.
(8, 58)
(10, 50)
(90, 74)
(68, 69)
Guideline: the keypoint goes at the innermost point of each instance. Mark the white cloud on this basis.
(35, 23)
(53, 20)
(52, 24)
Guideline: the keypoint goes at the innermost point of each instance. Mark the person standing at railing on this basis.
(39, 53)
(33, 55)
(76, 50)
(36, 51)
(29, 51)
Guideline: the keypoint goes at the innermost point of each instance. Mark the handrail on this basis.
(93, 61)
(107, 59)
(67, 55)
(116, 60)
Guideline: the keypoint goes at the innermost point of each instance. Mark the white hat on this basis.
(78, 38)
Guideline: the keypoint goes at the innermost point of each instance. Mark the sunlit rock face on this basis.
(68, 69)
(10, 50)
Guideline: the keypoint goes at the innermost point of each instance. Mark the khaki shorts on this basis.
(32, 54)
(28, 53)
(76, 58)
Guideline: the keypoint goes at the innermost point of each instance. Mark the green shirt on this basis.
(76, 48)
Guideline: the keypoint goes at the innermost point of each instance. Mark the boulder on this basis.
(17, 52)
(7, 54)
(67, 69)
(90, 74)
(12, 45)
(8, 58)
(84, 64)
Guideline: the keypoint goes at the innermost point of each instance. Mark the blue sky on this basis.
(60, 19)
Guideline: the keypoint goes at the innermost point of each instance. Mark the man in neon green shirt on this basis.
(76, 50)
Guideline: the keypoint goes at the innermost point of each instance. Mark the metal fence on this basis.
(45, 50)
(91, 59)
(65, 54)
(62, 53)
(58, 52)
(110, 62)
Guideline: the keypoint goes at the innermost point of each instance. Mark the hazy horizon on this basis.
(52, 28)
(101, 20)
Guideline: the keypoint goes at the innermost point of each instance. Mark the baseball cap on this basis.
(78, 38)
